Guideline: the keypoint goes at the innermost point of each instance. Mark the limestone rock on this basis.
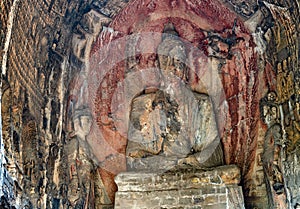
(59, 57)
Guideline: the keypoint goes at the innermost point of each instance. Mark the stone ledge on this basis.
(147, 181)
(186, 188)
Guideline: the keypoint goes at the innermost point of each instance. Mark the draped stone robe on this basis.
(165, 132)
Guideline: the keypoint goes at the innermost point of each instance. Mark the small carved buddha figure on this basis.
(272, 158)
(81, 161)
(273, 143)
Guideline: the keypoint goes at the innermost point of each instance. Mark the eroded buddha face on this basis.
(82, 123)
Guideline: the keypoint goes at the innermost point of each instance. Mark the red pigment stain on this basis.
(191, 19)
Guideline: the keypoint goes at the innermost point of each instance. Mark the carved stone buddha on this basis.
(168, 130)
(159, 133)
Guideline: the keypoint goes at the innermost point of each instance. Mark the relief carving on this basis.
(273, 154)
(245, 8)
(80, 159)
(165, 131)
(79, 44)
(92, 22)
(272, 157)
(90, 26)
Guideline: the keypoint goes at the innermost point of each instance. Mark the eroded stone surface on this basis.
(181, 188)
(227, 46)
(165, 132)
(252, 46)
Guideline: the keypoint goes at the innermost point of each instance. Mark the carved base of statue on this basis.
(180, 188)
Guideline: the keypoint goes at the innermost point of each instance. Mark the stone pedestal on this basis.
(184, 188)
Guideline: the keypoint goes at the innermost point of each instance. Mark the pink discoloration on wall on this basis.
(192, 20)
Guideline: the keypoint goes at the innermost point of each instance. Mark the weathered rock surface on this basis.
(72, 69)
(166, 131)
(180, 189)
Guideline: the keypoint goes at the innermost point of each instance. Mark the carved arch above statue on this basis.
(220, 58)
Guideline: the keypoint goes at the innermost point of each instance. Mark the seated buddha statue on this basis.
(169, 130)
(164, 135)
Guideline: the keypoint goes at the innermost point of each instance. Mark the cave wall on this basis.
(50, 93)
(286, 65)
(34, 76)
